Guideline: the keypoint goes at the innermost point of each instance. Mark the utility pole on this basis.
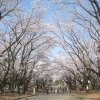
(98, 57)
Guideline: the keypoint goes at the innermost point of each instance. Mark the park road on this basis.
(59, 96)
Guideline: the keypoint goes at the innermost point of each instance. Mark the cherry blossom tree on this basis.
(24, 41)
(79, 35)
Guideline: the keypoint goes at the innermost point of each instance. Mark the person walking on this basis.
(51, 89)
(58, 90)
(47, 90)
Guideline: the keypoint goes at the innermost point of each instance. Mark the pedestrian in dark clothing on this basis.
(47, 90)
(51, 88)
(58, 90)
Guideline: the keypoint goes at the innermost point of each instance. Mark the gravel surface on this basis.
(53, 97)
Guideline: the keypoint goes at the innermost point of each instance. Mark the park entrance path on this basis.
(53, 97)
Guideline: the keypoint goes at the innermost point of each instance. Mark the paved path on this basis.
(53, 97)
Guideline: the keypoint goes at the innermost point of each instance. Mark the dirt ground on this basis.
(92, 95)
(8, 96)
